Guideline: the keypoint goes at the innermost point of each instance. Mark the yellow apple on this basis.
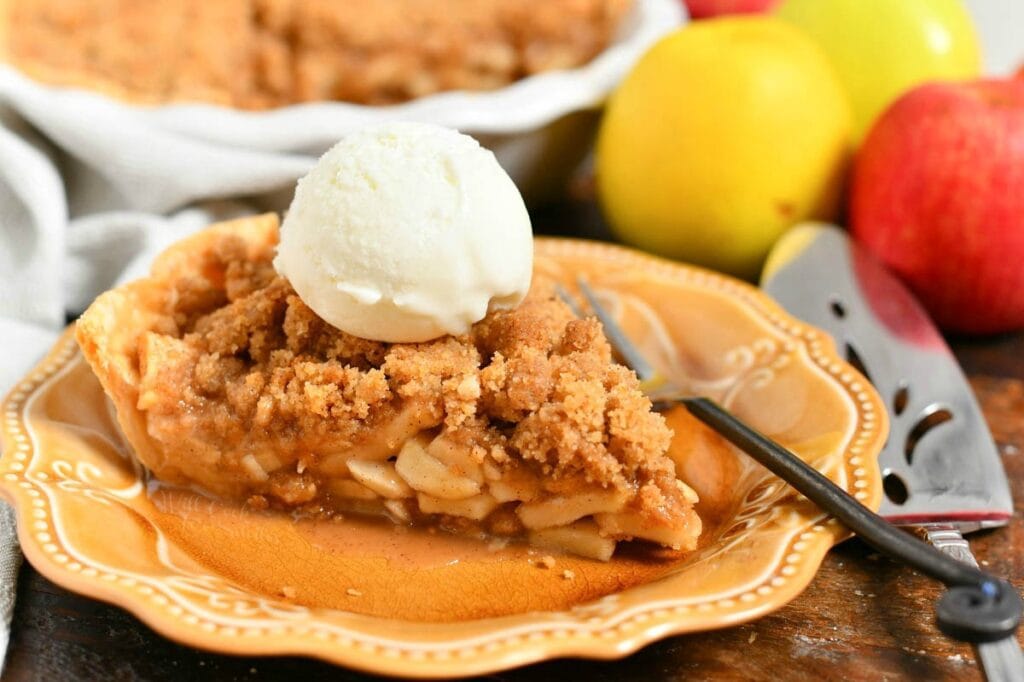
(882, 48)
(725, 133)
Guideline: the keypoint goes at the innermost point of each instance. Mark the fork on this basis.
(976, 607)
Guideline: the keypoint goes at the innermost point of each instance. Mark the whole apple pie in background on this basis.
(224, 379)
(255, 54)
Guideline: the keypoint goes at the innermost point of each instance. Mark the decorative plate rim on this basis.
(505, 642)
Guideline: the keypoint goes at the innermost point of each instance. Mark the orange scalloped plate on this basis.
(368, 596)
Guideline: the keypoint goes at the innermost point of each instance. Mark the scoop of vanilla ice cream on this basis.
(404, 232)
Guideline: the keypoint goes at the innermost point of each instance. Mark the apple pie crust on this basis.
(224, 380)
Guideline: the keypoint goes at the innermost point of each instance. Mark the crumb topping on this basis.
(546, 561)
(251, 364)
(255, 54)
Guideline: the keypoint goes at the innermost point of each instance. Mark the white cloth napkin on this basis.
(88, 187)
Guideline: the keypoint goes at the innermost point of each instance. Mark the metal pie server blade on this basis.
(940, 464)
(941, 470)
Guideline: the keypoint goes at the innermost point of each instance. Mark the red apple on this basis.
(702, 9)
(938, 195)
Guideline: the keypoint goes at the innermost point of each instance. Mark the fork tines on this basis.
(620, 342)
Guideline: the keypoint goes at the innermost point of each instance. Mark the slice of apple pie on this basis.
(225, 380)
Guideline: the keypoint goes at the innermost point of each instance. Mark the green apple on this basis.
(882, 48)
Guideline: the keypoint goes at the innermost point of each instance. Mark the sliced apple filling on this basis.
(433, 476)
(525, 428)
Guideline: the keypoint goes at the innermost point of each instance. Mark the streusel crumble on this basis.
(255, 54)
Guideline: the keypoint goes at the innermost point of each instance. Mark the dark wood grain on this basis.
(863, 617)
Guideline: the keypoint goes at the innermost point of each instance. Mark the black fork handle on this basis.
(977, 606)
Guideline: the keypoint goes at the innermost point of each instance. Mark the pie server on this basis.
(941, 472)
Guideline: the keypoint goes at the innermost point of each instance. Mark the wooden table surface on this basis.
(863, 617)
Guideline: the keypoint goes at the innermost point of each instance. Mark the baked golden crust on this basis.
(223, 378)
(256, 54)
